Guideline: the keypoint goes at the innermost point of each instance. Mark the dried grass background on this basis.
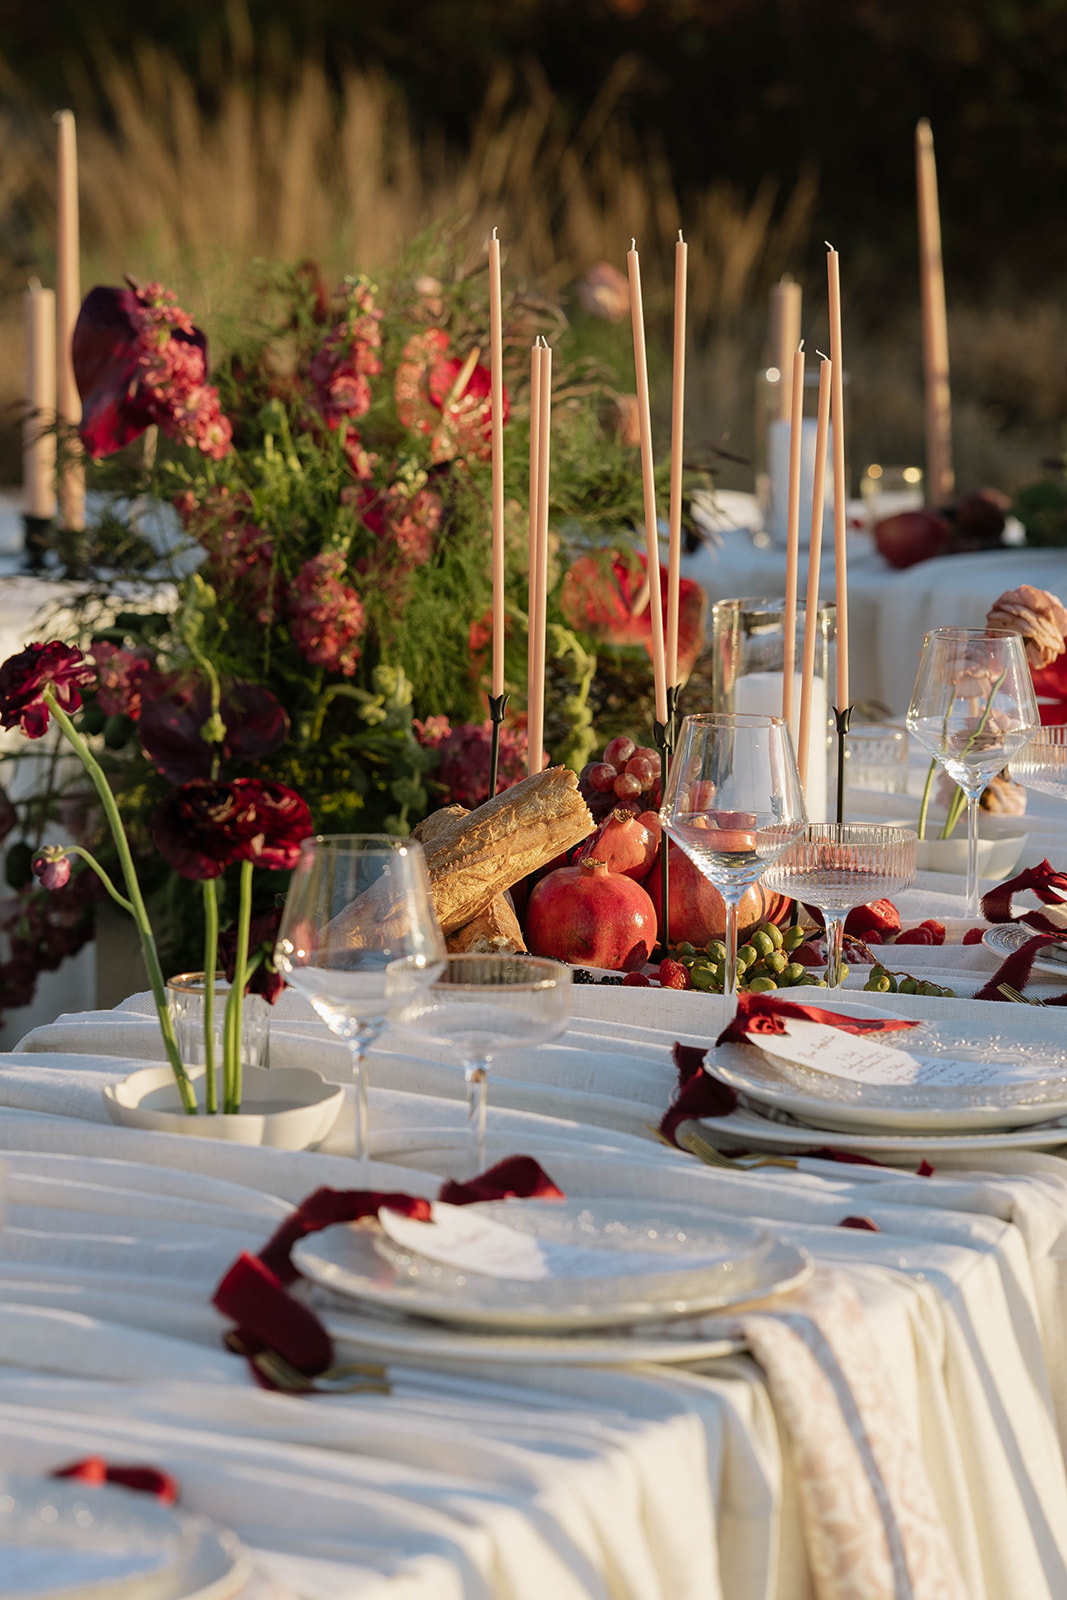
(191, 182)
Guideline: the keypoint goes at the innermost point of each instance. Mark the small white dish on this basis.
(745, 1129)
(287, 1108)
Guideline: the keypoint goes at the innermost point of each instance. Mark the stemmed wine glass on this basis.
(733, 803)
(477, 1004)
(973, 708)
(357, 902)
(838, 867)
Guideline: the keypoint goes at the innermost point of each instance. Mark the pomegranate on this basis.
(622, 844)
(697, 910)
(591, 917)
(912, 536)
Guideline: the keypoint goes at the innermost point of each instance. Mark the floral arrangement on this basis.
(323, 581)
(201, 828)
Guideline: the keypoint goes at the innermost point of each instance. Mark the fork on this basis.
(691, 1138)
(1013, 994)
(352, 1377)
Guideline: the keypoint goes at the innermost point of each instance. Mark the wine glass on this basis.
(733, 803)
(973, 709)
(356, 903)
(477, 1004)
(838, 867)
(1042, 763)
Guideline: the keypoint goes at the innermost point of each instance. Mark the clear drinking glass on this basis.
(1042, 763)
(733, 803)
(356, 903)
(837, 868)
(478, 1004)
(973, 709)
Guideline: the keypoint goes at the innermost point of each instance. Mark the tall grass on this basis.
(192, 182)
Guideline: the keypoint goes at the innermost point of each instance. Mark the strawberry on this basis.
(637, 980)
(672, 975)
(919, 935)
(809, 955)
(936, 928)
(973, 936)
(881, 916)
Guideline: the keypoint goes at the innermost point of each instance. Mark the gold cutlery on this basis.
(693, 1139)
(1013, 994)
(352, 1377)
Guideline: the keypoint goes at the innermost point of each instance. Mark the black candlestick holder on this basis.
(841, 722)
(665, 734)
(36, 541)
(497, 706)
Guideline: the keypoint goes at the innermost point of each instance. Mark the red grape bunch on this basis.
(626, 778)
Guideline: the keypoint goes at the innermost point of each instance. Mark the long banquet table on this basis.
(486, 1479)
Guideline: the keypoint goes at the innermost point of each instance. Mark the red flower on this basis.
(464, 752)
(138, 360)
(119, 676)
(326, 617)
(599, 592)
(262, 937)
(445, 398)
(23, 679)
(202, 827)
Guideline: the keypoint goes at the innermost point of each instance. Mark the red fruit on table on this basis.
(642, 769)
(618, 751)
(672, 975)
(879, 917)
(650, 820)
(809, 955)
(622, 844)
(591, 917)
(646, 753)
(912, 536)
(627, 787)
(697, 910)
(974, 936)
(915, 936)
(601, 777)
(636, 980)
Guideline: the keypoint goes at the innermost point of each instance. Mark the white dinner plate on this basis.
(748, 1263)
(1007, 937)
(64, 1540)
(1017, 1081)
(745, 1129)
(400, 1340)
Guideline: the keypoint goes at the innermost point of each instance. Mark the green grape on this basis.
(793, 938)
(880, 985)
(761, 985)
(908, 986)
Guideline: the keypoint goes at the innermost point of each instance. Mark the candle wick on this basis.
(494, 233)
(34, 285)
(680, 239)
(800, 347)
(819, 353)
(633, 244)
(829, 247)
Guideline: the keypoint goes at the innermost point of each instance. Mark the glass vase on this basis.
(185, 997)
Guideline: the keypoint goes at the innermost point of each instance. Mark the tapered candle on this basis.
(531, 604)
(68, 301)
(811, 611)
(785, 335)
(38, 441)
(792, 549)
(674, 557)
(940, 478)
(496, 361)
(644, 417)
(536, 719)
(833, 275)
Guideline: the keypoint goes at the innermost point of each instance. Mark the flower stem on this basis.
(211, 955)
(119, 899)
(133, 888)
(231, 1070)
(924, 804)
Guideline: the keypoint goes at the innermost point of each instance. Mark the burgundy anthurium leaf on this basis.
(106, 356)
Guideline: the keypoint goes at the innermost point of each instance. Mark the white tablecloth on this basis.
(633, 1482)
(889, 611)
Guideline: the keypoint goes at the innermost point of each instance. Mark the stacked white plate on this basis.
(609, 1281)
(928, 1088)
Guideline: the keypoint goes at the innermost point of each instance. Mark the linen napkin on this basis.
(143, 1480)
(253, 1292)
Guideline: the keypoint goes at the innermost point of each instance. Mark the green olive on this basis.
(774, 933)
(761, 985)
(702, 977)
(793, 972)
(746, 956)
(908, 986)
(716, 950)
(762, 943)
(776, 962)
(792, 938)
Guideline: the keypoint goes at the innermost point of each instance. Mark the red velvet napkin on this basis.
(145, 1480)
(996, 907)
(764, 1013)
(253, 1292)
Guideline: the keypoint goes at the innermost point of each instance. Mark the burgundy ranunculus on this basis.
(52, 867)
(262, 937)
(283, 823)
(202, 827)
(174, 711)
(120, 673)
(23, 679)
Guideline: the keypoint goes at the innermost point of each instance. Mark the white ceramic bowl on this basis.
(287, 1108)
(1001, 843)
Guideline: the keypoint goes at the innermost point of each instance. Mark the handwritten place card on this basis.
(473, 1242)
(863, 1059)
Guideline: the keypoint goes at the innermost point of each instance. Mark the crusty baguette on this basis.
(494, 930)
(437, 822)
(475, 858)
